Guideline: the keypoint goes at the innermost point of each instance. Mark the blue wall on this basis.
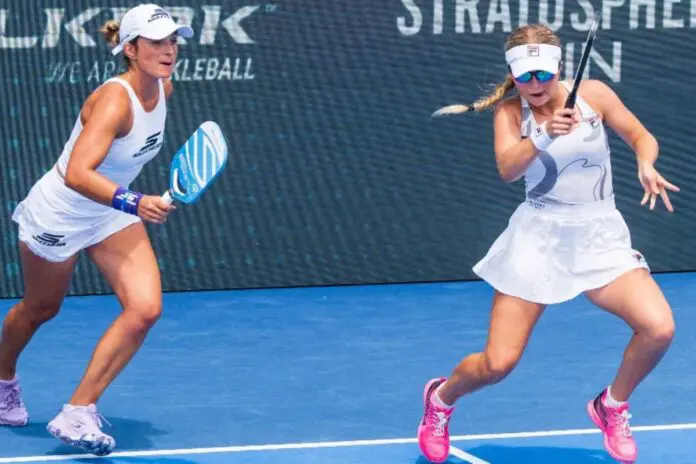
(338, 175)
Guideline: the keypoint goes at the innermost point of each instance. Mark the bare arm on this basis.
(617, 116)
(513, 155)
(109, 116)
(624, 122)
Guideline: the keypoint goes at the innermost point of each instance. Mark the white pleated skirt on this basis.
(552, 253)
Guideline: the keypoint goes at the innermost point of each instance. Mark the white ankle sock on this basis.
(610, 401)
(438, 401)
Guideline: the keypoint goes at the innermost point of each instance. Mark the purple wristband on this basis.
(126, 201)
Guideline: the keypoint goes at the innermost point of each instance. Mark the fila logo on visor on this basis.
(532, 50)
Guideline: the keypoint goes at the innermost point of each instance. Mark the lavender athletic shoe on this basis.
(80, 426)
(12, 409)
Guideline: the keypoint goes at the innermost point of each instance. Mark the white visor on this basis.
(533, 57)
(149, 21)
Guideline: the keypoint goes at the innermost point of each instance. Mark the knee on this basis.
(499, 365)
(38, 312)
(660, 333)
(143, 313)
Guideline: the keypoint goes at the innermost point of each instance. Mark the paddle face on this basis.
(197, 163)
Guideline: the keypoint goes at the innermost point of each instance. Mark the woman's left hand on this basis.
(654, 184)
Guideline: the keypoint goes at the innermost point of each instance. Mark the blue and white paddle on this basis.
(196, 164)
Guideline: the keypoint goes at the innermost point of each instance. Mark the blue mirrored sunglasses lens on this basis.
(524, 78)
(544, 76)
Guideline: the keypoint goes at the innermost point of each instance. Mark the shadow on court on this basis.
(130, 434)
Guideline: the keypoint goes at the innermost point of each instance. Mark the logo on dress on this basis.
(49, 240)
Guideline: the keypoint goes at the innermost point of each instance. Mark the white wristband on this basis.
(540, 138)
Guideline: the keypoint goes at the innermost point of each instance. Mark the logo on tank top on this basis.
(151, 143)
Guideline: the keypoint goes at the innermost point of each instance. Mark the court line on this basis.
(334, 444)
(464, 456)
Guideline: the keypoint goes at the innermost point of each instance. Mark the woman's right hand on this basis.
(563, 122)
(153, 209)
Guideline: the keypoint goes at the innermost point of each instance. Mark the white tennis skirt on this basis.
(552, 253)
(57, 223)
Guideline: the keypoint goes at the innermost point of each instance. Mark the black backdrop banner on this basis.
(338, 174)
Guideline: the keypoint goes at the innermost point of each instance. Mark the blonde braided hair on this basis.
(530, 33)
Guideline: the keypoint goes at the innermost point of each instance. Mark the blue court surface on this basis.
(335, 376)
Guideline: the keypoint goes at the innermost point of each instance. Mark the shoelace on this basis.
(98, 418)
(625, 428)
(440, 423)
(622, 421)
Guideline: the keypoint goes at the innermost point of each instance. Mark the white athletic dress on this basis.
(568, 236)
(56, 222)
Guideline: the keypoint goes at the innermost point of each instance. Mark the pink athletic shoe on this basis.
(433, 430)
(618, 439)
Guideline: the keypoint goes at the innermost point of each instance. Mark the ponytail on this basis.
(482, 103)
(110, 29)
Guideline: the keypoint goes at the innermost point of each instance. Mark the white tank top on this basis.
(576, 168)
(124, 160)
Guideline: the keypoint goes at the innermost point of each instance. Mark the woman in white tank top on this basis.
(84, 203)
(565, 239)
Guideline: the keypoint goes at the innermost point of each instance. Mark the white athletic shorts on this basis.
(57, 223)
(552, 253)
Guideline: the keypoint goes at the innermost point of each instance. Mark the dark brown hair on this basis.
(111, 32)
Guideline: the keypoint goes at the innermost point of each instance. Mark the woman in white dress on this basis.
(567, 238)
(84, 203)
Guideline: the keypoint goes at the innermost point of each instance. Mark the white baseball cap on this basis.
(533, 57)
(150, 21)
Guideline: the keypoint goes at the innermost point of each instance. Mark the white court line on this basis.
(334, 444)
(464, 456)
